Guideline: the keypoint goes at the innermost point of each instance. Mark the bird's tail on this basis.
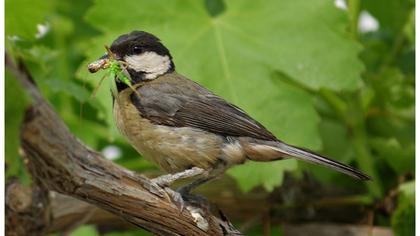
(308, 156)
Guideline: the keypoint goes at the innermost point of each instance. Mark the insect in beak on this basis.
(101, 63)
(115, 67)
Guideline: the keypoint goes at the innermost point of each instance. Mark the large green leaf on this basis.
(269, 175)
(233, 50)
(268, 33)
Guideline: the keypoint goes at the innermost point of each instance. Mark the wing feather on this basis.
(204, 111)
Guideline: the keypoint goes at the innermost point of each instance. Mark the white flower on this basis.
(112, 152)
(367, 23)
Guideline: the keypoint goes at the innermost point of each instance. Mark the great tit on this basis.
(183, 127)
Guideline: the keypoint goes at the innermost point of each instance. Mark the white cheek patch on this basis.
(151, 63)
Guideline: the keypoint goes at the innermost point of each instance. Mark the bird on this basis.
(183, 127)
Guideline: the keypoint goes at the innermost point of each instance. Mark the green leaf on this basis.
(336, 143)
(269, 175)
(403, 219)
(409, 190)
(22, 16)
(401, 159)
(274, 36)
(233, 47)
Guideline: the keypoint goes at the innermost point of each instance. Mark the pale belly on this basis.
(172, 148)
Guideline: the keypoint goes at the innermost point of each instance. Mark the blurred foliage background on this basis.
(335, 77)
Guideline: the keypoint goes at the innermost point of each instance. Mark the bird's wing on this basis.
(206, 111)
(182, 103)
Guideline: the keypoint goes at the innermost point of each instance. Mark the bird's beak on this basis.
(105, 56)
(99, 64)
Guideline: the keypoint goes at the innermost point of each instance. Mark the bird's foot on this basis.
(194, 199)
(159, 184)
(162, 181)
(157, 188)
(176, 198)
(196, 205)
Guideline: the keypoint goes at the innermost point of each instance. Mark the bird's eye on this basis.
(137, 49)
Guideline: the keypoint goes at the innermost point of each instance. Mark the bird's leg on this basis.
(186, 189)
(167, 180)
(208, 175)
(183, 194)
(195, 199)
(205, 177)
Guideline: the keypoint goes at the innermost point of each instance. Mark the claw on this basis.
(157, 189)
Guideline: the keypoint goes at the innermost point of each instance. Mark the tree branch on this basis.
(60, 162)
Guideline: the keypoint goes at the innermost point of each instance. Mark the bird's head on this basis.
(142, 54)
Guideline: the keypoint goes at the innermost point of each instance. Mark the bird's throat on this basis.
(139, 77)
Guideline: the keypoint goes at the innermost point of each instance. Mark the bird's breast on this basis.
(171, 148)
